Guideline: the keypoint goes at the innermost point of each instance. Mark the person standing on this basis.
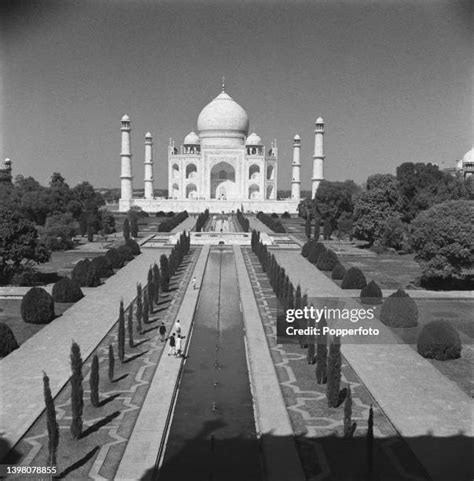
(172, 340)
(194, 282)
(178, 346)
(163, 332)
(178, 328)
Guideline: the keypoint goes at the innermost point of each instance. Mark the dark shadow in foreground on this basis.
(335, 458)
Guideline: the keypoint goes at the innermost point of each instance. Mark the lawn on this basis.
(10, 314)
(459, 313)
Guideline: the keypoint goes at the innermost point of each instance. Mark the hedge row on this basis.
(201, 220)
(274, 225)
(169, 224)
(243, 221)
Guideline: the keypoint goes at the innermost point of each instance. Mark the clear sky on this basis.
(392, 80)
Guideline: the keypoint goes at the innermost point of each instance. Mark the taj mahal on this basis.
(221, 167)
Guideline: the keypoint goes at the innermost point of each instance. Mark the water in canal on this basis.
(212, 435)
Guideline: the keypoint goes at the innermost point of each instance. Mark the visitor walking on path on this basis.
(194, 282)
(178, 328)
(172, 340)
(178, 346)
(163, 332)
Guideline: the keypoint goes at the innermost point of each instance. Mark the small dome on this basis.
(468, 157)
(7, 161)
(223, 114)
(148, 135)
(125, 118)
(296, 137)
(191, 139)
(253, 139)
(320, 120)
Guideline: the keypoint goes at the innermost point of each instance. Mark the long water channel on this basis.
(212, 435)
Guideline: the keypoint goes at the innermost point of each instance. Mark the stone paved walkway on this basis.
(281, 459)
(87, 323)
(397, 377)
(256, 224)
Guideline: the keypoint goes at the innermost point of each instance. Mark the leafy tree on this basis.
(94, 381)
(374, 207)
(349, 426)
(133, 226)
(77, 393)
(442, 238)
(308, 226)
(165, 273)
(58, 231)
(130, 325)
(19, 244)
(107, 221)
(51, 422)
(150, 289)
(394, 233)
(156, 283)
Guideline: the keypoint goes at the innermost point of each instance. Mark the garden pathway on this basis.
(86, 322)
(416, 397)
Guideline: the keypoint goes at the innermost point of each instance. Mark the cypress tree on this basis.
(94, 381)
(133, 226)
(146, 310)
(165, 273)
(121, 333)
(51, 422)
(77, 393)
(321, 354)
(130, 325)
(126, 229)
(150, 290)
(316, 228)
(156, 283)
(111, 363)
(370, 443)
(334, 372)
(308, 226)
(139, 308)
(349, 426)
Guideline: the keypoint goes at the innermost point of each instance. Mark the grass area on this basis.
(459, 313)
(10, 315)
(63, 261)
(389, 271)
(108, 427)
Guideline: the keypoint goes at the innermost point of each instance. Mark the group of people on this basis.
(175, 340)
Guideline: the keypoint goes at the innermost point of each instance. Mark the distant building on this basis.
(465, 166)
(6, 172)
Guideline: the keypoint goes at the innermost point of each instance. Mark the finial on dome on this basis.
(223, 83)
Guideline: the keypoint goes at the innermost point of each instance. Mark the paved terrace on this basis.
(415, 396)
(86, 322)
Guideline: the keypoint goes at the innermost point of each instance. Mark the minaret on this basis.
(126, 191)
(296, 169)
(148, 166)
(318, 157)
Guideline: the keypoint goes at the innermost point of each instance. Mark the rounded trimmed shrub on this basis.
(399, 310)
(327, 261)
(125, 253)
(354, 279)
(160, 213)
(37, 306)
(115, 259)
(67, 290)
(439, 340)
(170, 214)
(84, 274)
(286, 215)
(275, 215)
(338, 272)
(7, 340)
(133, 246)
(26, 278)
(307, 248)
(315, 251)
(102, 266)
(371, 294)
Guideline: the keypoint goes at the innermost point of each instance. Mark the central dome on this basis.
(223, 118)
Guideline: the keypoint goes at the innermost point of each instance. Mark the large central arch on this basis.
(223, 181)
